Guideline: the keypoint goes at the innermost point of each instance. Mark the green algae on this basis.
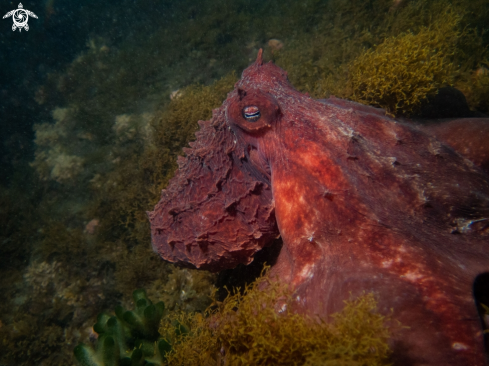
(130, 337)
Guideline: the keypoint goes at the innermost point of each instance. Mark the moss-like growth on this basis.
(189, 290)
(128, 338)
(476, 87)
(259, 327)
(391, 55)
(398, 74)
(29, 341)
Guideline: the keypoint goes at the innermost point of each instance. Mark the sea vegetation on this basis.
(129, 337)
(111, 263)
(52, 160)
(402, 71)
(393, 57)
(476, 87)
(74, 237)
(258, 326)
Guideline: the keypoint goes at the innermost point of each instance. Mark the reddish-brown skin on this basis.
(363, 203)
(468, 136)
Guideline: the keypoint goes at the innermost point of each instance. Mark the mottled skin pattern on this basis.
(363, 203)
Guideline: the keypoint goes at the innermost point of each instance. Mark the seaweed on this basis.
(363, 50)
(262, 326)
(27, 341)
(475, 87)
(184, 289)
(402, 71)
(130, 337)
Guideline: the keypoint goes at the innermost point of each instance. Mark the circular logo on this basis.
(20, 18)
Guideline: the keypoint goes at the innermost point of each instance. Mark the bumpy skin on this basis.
(467, 135)
(362, 202)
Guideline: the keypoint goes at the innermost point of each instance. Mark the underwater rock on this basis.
(362, 202)
(448, 102)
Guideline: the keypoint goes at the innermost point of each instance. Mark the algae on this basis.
(130, 337)
(402, 71)
(362, 50)
(258, 326)
(115, 259)
(261, 326)
(475, 87)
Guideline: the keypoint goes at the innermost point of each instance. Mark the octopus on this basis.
(362, 202)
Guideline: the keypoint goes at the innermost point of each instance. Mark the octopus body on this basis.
(362, 203)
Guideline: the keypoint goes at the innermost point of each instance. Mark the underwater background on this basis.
(99, 98)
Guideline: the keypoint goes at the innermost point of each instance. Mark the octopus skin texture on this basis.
(362, 202)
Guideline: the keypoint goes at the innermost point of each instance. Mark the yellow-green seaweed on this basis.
(363, 50)
(399, 74)
(260, 327)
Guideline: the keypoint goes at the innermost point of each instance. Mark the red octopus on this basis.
(361, 201)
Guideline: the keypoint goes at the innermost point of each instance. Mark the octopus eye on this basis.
(251, 113)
